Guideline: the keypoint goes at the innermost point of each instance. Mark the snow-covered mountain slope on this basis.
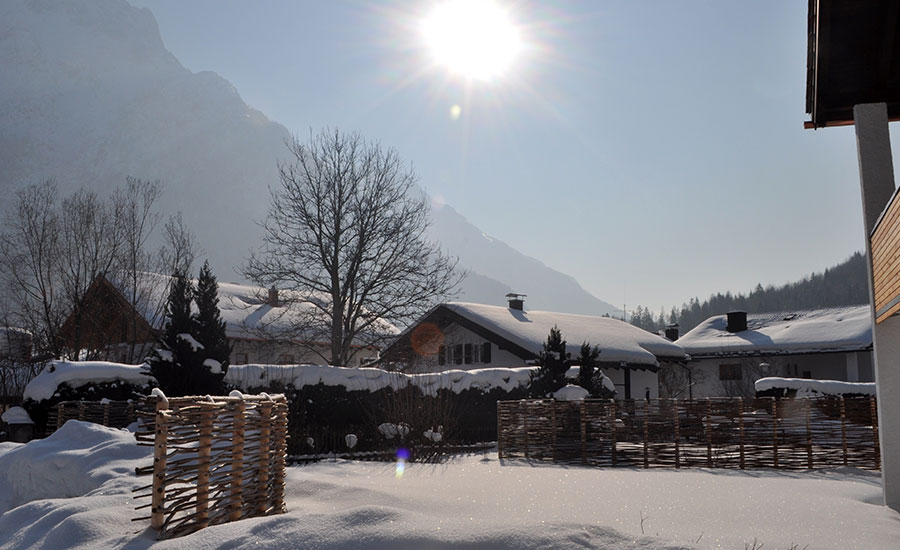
(90, 95)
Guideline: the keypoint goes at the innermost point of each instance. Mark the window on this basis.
(286, 359)
(486, 352)
(468, 354)
(441, 359)
(807, 374)
(240, 358)
(476, 353)
(458, 354)
(730, 372)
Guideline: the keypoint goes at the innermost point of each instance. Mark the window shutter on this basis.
(441, 359)
(486, 352)
(458, 354)
(468, 354)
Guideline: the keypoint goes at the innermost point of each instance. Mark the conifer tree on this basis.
(172, 360)
(554, 363)
(209, 331)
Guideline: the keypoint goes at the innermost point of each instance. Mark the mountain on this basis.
(90, 95)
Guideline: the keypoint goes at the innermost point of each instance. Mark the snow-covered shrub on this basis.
(774, 386)
(83, 381)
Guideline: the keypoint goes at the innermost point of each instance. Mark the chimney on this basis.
(516, 301)
(737, 321)
(273, 297)
(672, 332)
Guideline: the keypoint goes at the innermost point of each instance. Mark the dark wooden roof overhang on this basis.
(853, 57)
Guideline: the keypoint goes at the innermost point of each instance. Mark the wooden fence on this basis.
(215, 460)
(709, 433)
(115, 414)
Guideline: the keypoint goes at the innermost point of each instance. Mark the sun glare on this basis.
(472, 38)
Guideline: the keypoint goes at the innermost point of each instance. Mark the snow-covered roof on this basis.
(814, 331)
(247, 311)
(618, 341)
(815, 388)
(45, 384)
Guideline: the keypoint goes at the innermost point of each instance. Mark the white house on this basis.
(460, 335)
(730, 352)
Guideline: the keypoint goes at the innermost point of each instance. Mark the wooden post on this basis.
(81, 408)
(237, 462)
(612, 429)
(60, 415)
(775, 432)
(204, 450)
(809, 454)
(278, 454)
(583, 432)
(106, 414)
(741, 429)
(844, 430)
(677, 433)
(553, 429)
(708, 428)
(500, 442)
(526, 406)
(265, 417)
(646, 434)
(873, 411)
(158, 497)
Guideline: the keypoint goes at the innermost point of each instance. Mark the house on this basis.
(730, 352)
(461, 335)
(264, 326)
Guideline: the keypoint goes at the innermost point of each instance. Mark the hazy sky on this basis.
(653, 150)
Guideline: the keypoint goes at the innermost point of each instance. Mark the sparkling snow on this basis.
(73, 490)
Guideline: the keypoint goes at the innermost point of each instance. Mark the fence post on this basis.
(646, 434)
(583, 432)
(60, 415)
(526, 406)
(809, 454)
(677, 433)
(612, 429)
(237, 462)
(263, 477)
(844, 430)
(279, 456)
(158, 497)
(873, 411)
(106, 414)
(81, 410)
(708, 428)
(204, 451)
(741, 428)
(553, 430)
(775, 431)
(500, 441)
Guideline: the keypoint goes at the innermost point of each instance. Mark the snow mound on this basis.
(16, 415)
(571, 392)
(75, 460)
(45, 384)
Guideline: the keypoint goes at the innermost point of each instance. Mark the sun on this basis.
(475, 39)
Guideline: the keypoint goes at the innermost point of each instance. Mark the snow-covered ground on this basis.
(73, 490)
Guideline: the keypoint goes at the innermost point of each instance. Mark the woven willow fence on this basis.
(115, 414)
(215, 460)
(709, 433)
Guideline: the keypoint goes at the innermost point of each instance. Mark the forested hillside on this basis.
(841, 285)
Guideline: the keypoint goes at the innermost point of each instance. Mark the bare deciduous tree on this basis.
(346, 233)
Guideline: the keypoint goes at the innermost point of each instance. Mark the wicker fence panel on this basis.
(115, 414)
(708, 433)
(216, 459)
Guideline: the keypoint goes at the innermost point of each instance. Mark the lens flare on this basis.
(402, 457)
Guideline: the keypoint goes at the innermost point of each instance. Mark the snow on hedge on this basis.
(247, 377)
(570, 392)
(57, 373)
(814, 388)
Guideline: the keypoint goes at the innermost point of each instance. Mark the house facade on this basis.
(730, 352)
(467, 336)
(262, 325)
